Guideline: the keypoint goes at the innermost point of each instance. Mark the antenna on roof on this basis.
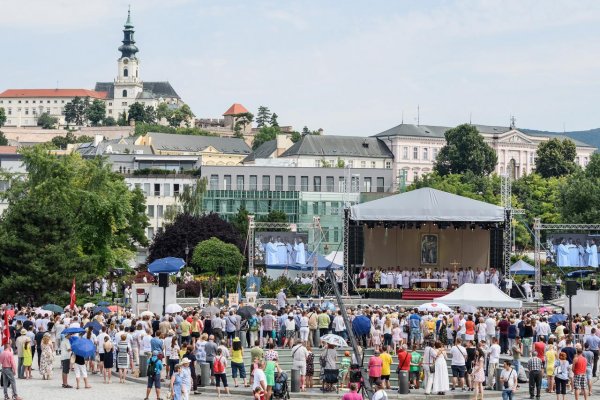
(513, 122)
(402, 122)
(418, 115)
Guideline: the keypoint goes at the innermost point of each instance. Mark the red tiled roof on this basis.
(8, 150)
(52, 93)
(236, 108)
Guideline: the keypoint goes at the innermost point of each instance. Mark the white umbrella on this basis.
(440, 307)
(334, 340)
(468, 308)
(89, 305)
(147, 313)
(173, 308)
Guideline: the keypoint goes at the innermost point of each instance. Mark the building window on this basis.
(151, 211)
(405, 153)
(239, 182)
(278, 182)
(214, 182)
(388, 164)
(266, 182)
(415, 175)
(373, 164)
(125, 73)
(150, 234)
(317, 184)
(317, 163)
(380, 184)
(167, 189)
(253, 182)
(176, 189)
(363, 164)
(292, 183)
(585, 161)
(355, 184)
(124, 93)
(10, 111)
(227, 183)
(342, 184)
(367, 184)
(435, 153)
(159, 211)
(27, 111)
(124, 104)
(110, 103)
(48, 110)
(304, 183)
(336, 235)
(147, 189)
(425, 153)
(330, 184)
(157, 189)
(415, 153)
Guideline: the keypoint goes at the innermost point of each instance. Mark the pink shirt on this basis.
(375, 365)
(352, 396)
(7, 360)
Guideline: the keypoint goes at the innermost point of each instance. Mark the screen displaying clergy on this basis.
(574, 251)
(281, 248)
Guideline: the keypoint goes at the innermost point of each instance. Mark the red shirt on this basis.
(404, 358)
(579, 365)
(539, 348)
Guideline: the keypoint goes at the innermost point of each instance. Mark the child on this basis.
(27, 358)
(259, 394)
(345, 367)
(375, 337)
(396, 336)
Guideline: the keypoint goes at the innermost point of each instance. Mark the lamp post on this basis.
(187, 251)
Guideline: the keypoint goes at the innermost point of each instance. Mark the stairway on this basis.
(410, 294)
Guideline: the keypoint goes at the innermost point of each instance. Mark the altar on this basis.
(425, 283)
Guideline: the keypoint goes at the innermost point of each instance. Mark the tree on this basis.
(163, 111)
(192, 197)
(96, 112)
(189, 230)
(70, 218)
(482, 188)
(46, 121)
(580, 199)
(181, 114)
(214, 255)
(2, 117)
(273, 121)
(110, 121)
(538, 197)
(265, 134)
(61, 142)
(241, 121)
(555, 158)
(295, 136)
(240, 221)
(592, 170)
(122, 120)
(465, 151)
(263, 116)
(76, 111)
(136, 112)
(150, 113)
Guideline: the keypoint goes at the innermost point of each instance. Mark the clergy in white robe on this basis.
(480, 277)
(582, 254)
(592, 253)
(300, 252)
(495, 279)
(271, 253)
(282, 255)
(470, 276)
(291, 259)
(405, 279)
(562, 254)
(398, 277)
(573, 255)
(384, 280)
(391, 279)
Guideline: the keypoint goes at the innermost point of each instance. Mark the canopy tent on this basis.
(479, 295)
(522, 268)
(427, 204)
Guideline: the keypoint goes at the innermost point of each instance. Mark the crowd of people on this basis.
(173, 348)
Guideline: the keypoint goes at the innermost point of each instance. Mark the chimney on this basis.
(97, 139)
(283, 143)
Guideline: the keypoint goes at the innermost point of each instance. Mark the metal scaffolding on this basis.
(506, 200)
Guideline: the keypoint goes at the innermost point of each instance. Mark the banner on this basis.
(73, 295)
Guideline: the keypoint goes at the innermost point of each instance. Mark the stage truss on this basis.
(537, 228)
(254, 225)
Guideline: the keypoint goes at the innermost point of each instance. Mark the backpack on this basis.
(218, 366)
(152, 367)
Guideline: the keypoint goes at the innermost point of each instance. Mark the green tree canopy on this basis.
(240, 221)
(263, 116)
(580, 199)
(136, 112)
(110, 121)
(555, 158)
(241, 121)
(61, 142)
(2, 117)
(76, 111)
(46, 121)
(214, 255)
(265, 134)
(538, 197)
(70, 217)
(3, 139)
(180, 115)
(483, 188)
(465, 151)
(96, 112)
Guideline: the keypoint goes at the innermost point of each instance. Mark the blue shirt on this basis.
(158, 365)
(156, 345)
(594, 342)
(186, 377)
(414, 321)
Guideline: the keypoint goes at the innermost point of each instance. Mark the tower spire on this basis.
(128, 16)
(128, 49)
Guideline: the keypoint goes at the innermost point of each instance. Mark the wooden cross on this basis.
(454, 264)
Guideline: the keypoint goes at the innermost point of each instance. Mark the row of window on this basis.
(318, 183)
(350, 164)
(161, 189)
(32, 101)
(415, 153)
(34, 111)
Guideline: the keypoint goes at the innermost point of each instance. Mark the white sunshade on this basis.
(479, 295)
(427, 205)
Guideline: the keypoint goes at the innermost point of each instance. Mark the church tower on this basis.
(128, 85)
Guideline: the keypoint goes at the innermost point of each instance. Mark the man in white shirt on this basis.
(339, 326)
(259, 377)
(490, 328)
(459, 364)
(494, 358)
(508, 377)
(528, 292)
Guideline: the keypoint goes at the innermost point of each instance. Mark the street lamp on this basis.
(187, 251)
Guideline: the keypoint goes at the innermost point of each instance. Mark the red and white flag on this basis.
(73, 295)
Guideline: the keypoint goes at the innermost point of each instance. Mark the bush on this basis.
(214, 255)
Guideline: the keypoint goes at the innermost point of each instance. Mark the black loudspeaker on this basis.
(571, 288)
(496, 249)
(163, 279)
(356, 244)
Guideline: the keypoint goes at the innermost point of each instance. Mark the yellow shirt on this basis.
(550, 358)
(387, 363)
(431, 325)
(236, 356)
(185, 328)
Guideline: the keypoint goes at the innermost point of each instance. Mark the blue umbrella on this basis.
(73, 331)
(554, 318)
(105, 310)
(103, 303)
(83, 347)
(361, 325)
(170, 265)
(21, 318)
(96, 327)
(55, 308)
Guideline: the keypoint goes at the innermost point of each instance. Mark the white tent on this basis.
(522, 268)
(427, 204)
(479, 295)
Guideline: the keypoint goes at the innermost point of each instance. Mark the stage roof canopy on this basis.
(479, 295)
(427, 205)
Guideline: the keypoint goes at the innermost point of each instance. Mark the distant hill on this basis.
(591, 137)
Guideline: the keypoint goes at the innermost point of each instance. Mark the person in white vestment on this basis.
(573, 254)
(271, 253)
(290, 253)
(398, 277)
(391, 278)
(583, 257)
(300, 252)
(405, 279)
(470, 276)
(441, 382)
(282, 256)
(480, 277)
(562, 255)
(383, 280)
(495, 279)
(592, 253)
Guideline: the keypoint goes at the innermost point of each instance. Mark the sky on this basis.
(349, 67)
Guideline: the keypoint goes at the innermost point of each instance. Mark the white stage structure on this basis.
(479, 295)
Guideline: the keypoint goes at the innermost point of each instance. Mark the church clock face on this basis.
(126, 61)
